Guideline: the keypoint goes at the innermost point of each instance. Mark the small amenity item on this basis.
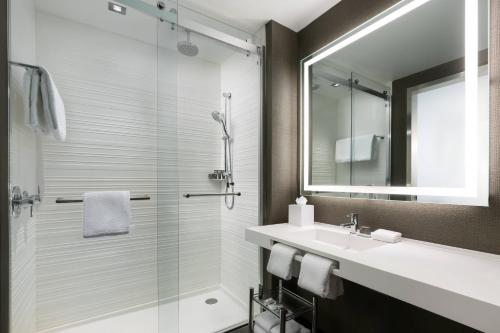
(301, 214)
(386, 236)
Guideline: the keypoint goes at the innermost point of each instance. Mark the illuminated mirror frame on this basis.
(471, 100)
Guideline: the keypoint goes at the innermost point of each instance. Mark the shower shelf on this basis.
(217, 175)
(286, 305)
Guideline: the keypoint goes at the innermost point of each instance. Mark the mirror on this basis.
(398, 108)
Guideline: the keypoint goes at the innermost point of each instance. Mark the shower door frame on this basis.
(4, 170)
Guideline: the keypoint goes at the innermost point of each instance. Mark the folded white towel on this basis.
(258, 329)
(291, 327)
(281, 260)
(363, 149)
(266, 320)
(106, 213)
(53, 106)
(386, 236)
(315, 276)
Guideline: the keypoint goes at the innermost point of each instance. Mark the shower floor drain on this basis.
(211, 301)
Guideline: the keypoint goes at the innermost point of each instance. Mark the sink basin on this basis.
(338, 238)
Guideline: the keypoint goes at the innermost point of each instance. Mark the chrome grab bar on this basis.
(189, 195)
(135, 198)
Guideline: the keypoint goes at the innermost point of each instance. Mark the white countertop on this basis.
(459, 284)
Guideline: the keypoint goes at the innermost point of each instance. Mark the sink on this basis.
(338, 238)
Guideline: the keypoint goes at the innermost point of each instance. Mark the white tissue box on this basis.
(301, 216)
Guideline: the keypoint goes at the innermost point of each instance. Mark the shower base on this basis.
(195, 316)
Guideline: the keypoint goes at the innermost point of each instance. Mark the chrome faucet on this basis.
(353, 224)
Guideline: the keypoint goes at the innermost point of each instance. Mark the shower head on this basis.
(186, 47)
(218, 117)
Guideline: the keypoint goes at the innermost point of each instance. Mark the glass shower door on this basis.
(370, 153)
(218, 126)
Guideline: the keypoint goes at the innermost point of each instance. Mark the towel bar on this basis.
(334, 270)
(188, 195)
(137, 198)
(20, 64)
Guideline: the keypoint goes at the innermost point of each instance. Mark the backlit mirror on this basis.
(398, 108)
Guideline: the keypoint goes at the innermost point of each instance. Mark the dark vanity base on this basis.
(366, 311)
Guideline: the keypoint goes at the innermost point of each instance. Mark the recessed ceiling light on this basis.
(117, 8)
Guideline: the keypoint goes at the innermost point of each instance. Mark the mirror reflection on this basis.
(389, 109)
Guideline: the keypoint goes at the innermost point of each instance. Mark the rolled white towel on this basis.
(258, 329)
(291, 327)
(386, 236)
(281, 260)
(266, 321)
(315, 274)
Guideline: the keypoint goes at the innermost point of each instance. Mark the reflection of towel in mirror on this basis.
(44, 106)
(363, 149)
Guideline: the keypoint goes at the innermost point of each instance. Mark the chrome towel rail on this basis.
(189, 195)
(135, 198)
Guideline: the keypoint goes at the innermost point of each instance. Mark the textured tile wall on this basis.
(240, 259)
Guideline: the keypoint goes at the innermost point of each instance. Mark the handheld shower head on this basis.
(218, 117)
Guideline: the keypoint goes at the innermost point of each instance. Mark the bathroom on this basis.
(154, 152)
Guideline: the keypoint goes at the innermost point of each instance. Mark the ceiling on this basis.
(250, 15)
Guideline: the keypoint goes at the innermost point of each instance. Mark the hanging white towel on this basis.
(106, 213)
(343, 150)
(266, 321)
(363, 149)
(53, 106)
(281, 260)
(33, 107)
(315, 276)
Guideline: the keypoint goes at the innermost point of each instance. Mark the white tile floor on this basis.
(195, 317)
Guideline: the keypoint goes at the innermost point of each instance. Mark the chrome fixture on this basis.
(217, 175)
(117, 8)
(353, 223)
(22, 199)
(135, 198)
(160, 5)
(223, 119)
(186, 47)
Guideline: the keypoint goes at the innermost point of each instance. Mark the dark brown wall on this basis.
(478, 228)
(280, 122)
(4, 168)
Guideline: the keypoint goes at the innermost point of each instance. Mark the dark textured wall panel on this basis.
(280, 122)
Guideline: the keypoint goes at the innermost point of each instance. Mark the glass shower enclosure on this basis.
(158, 105)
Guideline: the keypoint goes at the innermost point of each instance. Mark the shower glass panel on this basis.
(218, 144)
(121, 118)
(371, 126)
